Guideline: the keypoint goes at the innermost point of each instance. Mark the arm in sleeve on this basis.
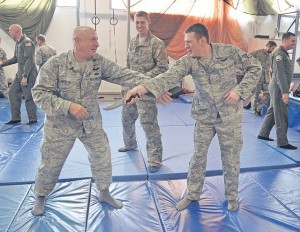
(253, 71)
(165, 81)
(114, 73)
(45, 91)
(279, 69)
(28, 58)
(12, 60)
(160, 58)
(4, 56)
(38, 57)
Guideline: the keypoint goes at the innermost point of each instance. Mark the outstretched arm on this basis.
(134, 94)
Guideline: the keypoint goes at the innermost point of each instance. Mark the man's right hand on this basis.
(78, 111)
(135, 93)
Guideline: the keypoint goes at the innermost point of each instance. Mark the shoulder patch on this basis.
(249, 55)
(28, 44)
(278, 58)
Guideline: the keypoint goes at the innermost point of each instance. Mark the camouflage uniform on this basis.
(3, 82)
(150, 58)
(282, 75)
(24, 56)
(44, 53)
(61, 81)
(262, 86)
(213, 80)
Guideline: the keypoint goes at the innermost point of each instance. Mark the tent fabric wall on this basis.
(222, 26)
(34, 16)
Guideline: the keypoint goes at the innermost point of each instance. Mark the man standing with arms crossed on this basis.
(25, 77)
(282, 75)
(146, 54)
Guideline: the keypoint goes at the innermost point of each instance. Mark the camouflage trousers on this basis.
(3, 83)
(258, 104)
(230, 140)
(146, 110)
(56, 145)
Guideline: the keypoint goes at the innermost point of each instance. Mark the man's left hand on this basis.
(165, 98)
(24, 81)
(285, 98)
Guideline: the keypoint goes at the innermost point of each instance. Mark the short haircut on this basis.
(298, 60)
(271, 43)
(142, 14)
(287, 35)
(41, 38)
(199, 29)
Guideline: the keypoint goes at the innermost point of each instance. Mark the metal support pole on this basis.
(128, 23)
(77, 13)
(296, 33)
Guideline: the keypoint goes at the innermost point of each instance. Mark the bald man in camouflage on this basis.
(66, 89)
(146, 54)
(217, 105)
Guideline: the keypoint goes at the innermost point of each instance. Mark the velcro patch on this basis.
(28, 44)
(278, 58)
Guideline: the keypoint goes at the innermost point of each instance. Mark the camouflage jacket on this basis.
(265, 60)
(60, 82)
(213, 80)
(44, 53)
(149, 57)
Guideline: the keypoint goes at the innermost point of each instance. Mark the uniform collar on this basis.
(145, 42)
(283, 49)
(73, 64)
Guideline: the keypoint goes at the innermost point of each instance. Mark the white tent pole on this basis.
(128, 23)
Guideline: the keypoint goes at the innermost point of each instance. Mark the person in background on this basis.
(25, 77)
(3, 81)
(66, 89)
(261, 97)
(146, 54)
(282, 75)
(298, 61)
(44, 51)
(217, 105)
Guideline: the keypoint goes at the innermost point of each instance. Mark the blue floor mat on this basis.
(10, 145)
(74, 206)
(178, 150)
(65, 209)
(11, 199)
(186, 98)
(20, 127)
(23, 166)
(138, 213)
(293, 137)
(260, 209)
